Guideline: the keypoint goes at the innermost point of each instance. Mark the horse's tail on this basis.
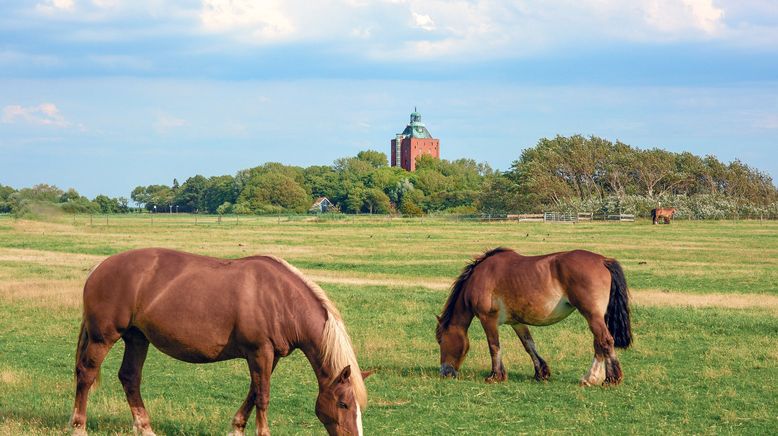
(83, 342)
(617, 314)
(653, 215)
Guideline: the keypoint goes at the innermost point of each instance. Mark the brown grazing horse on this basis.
(664, 214)
(503, 287)
(200, 309)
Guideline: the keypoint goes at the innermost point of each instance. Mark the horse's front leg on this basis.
(242, 416)
(490, 326)
(541, 367)
(261, 366)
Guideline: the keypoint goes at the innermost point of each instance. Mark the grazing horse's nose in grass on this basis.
(447, 370)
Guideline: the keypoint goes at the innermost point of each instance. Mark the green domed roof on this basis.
(416, 129)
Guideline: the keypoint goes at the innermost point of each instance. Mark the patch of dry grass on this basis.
(656, 298)
(43, 293)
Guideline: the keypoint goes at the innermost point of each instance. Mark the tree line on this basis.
(364, 183)
(574, 173)
(43, 198)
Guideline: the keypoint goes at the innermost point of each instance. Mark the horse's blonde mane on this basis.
(336, 349)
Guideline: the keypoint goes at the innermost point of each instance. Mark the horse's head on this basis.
(337, 407)
(454, 346)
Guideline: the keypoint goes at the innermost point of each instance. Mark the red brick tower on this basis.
(414, 141)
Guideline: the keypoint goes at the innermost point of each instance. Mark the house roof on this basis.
(320, 200)
(416, 129)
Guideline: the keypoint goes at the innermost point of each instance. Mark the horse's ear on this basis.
(345, 375)
(366, 374)
(438, 318)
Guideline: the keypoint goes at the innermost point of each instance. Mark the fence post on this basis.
(90, 219)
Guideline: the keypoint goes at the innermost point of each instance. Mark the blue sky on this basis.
(104, 95)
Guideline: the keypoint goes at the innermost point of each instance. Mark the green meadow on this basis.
(705, 319)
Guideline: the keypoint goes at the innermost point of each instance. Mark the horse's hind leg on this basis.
(91, 356)
(135, 348)
(541, 368)
(605, 366)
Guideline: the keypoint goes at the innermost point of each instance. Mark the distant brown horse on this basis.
(664, 214)
(503, 287)
(200, 309)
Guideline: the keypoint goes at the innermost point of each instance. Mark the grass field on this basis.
(705, 319)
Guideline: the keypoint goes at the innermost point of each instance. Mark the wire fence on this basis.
(182, 219)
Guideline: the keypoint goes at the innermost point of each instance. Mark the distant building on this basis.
(321, 205)
(414, 141)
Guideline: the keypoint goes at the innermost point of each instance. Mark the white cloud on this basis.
(475, 28)
(106, 4)
(258, 20)
(423, 21)
(44, 114)
(51, 6)
(362, 32)
(164, 123)
(458, 29)
(672, 16)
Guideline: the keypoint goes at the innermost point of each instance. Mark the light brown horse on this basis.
(200, 309)
(503, 287)
(664, 214)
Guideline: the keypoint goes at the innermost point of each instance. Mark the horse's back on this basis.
(541, 290)
(192, 307)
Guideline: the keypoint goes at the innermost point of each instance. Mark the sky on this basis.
(106, 95)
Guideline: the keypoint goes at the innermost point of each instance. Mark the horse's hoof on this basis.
(543, 374)
(79, 431)
(590, 381)
(496, 378)
(143, 431)
(584, 383)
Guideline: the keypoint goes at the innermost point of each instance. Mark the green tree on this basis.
(355, 199)
(374, 158)
(191, 195)
(140, 196)
(106, 204)
(5, 197)
(497, 196)
(218, 191)
(377, 201)
(160, 196)
(41, 192)
(274, 192)
(223, 208)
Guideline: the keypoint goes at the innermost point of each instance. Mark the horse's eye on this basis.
(342, 405)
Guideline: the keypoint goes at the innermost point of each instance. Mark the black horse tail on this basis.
(617, 315)
(653, 215)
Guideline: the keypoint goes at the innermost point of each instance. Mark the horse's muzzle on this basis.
(447, 370)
